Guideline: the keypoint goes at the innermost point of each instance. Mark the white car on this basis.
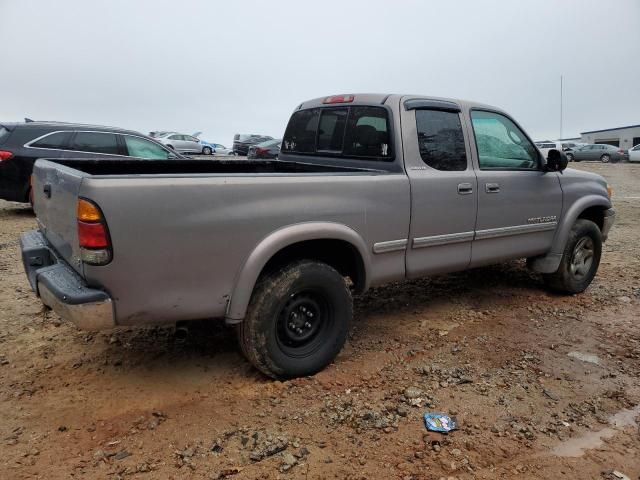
(544, 147)
(180, 142)
(634, 153)
(221, 149)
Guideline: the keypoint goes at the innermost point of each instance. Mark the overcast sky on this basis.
(243, 66)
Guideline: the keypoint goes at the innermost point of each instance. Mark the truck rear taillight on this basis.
(93, 236)
(339, 99)
(5, 155)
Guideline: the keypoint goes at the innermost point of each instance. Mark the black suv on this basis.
(21, 144)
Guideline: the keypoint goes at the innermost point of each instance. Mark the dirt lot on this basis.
(532, 377)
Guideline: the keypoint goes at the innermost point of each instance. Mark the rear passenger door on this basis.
(443, 187)
(519, 203)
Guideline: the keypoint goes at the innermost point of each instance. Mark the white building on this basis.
(623, 137)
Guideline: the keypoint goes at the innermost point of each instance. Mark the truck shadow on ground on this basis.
(208, 341)
(18, 211)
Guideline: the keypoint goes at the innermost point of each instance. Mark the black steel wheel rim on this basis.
(582, 258)
(303, 321)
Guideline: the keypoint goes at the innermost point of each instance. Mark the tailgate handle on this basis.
(47, 190)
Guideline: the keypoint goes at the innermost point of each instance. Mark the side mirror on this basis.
(556, 161)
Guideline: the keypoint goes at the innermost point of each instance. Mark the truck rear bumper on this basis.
(61, 288)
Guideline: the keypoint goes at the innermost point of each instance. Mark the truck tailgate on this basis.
(55, 193)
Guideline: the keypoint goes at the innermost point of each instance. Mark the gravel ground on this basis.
(544, 386)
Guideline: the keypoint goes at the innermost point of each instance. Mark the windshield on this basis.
(269, 143)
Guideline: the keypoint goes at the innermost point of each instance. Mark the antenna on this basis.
(560, 107)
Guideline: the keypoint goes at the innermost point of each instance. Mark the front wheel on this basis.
(298, 320)
(605, 158)
(207, 151)
(570, 157)
(580, 259)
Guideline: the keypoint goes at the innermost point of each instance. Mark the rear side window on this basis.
(4, 134)
(139, 147)
(95, 142)
(53, 140)
(356, 132)
(440, 140)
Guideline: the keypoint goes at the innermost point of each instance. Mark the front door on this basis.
(519, 203)
(443, 188)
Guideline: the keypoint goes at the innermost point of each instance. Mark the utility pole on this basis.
(560, 106)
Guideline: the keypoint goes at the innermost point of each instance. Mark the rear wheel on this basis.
(605, 158)
(580, 259)
(298, 320)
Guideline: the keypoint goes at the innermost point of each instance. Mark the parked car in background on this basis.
(268, 149)
(209, 148)
(634, 154)
(242, 142)
(562, 146)
(21, 144)
(222, 150)
(601, 152)
(181, 143)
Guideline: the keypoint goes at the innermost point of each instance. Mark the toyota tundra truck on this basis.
(368, 189)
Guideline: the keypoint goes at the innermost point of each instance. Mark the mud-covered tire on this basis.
(580, 259)
(297, 321)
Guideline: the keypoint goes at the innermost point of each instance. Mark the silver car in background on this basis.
(180, 143)
(601, 152)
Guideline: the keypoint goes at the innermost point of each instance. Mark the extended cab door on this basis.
(443, 187)
(519, 203)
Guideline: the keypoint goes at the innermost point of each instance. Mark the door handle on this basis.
(492, 187)
(465, 188)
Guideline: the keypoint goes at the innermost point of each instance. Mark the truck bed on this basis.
(187, 167)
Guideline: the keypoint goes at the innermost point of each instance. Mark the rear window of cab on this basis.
(359, 132)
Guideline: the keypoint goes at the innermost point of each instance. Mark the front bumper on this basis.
(61, 288)
(608, 221)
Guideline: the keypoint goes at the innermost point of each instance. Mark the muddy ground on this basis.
(531, 377)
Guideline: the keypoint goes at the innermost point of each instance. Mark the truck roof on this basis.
(382, 98)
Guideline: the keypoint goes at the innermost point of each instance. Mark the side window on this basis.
(175, 137)
(440, 140)
(95, 142)
(331, 129)
(53, 140)
(300, 135)
(139, 147)
(501, 144)
(367, 133)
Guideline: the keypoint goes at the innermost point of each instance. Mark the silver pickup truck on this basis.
(368, 189)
